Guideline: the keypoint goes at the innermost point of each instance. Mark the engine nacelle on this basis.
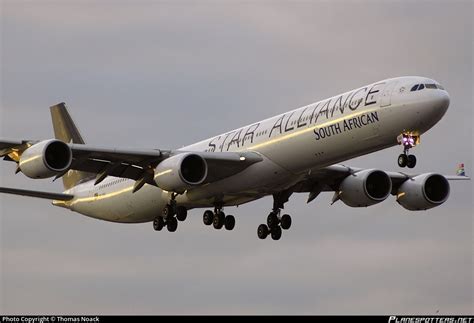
(365, 188)
(181, 172)
(423, 192)
(46, 159)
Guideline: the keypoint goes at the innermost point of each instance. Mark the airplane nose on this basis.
(441, 101)
(432, 107)
(437, 103)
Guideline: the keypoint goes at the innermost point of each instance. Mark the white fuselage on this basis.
(292, 144)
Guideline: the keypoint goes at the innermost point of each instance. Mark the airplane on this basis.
(299, 151)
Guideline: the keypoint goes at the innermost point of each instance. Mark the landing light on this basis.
(242, 158)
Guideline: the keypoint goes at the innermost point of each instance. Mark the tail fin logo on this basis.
(460, 171)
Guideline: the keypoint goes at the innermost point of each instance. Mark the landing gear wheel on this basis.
(411, 161)
(402, 160)
(218, 220)
(181, 213)
(276, 233)
(167, 211)
(158, 223)
(285, 222)
(208, 217)
(262, 231)
(229, 222)
(272, 220)
(172, 224)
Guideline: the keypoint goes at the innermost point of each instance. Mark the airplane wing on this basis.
(329, 178)
(126, 163)
(457, 178)
(129, 162)
(6, 144)
(134, 163)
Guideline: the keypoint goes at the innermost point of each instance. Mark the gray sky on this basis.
(165, 74)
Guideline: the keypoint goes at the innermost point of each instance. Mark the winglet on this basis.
(460, 174)
(460, 171)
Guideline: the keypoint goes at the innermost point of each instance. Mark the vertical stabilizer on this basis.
(66, 131)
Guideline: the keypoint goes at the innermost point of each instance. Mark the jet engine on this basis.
(180, 172)
(365, 188)
(423, 192)
(46, 159)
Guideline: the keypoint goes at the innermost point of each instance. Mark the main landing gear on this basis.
(408, 140)
(275, 222)
(218, 219)
(170, 216)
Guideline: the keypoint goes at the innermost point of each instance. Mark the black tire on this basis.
(276, 233)
(208, 217)
(402, 160)
(229, 222)
(172, 224)
(411, 162)
(262, 231)
(272, 220)
(285, 222)
(181, 213)
(158, 223)
(167, 211)
(218, 220)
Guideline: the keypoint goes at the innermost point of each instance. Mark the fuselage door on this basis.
(386, 96)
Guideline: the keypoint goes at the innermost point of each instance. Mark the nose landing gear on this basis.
(405, 160)
(408, 140)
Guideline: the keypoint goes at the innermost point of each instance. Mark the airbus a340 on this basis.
(293, 152)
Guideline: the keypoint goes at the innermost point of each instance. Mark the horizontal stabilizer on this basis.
(43, 195)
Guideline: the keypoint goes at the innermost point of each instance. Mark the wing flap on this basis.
(116, 169)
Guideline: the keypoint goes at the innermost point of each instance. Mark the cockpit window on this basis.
(418, 87)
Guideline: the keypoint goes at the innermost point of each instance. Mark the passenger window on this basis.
(421, 87)
(414, 88)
